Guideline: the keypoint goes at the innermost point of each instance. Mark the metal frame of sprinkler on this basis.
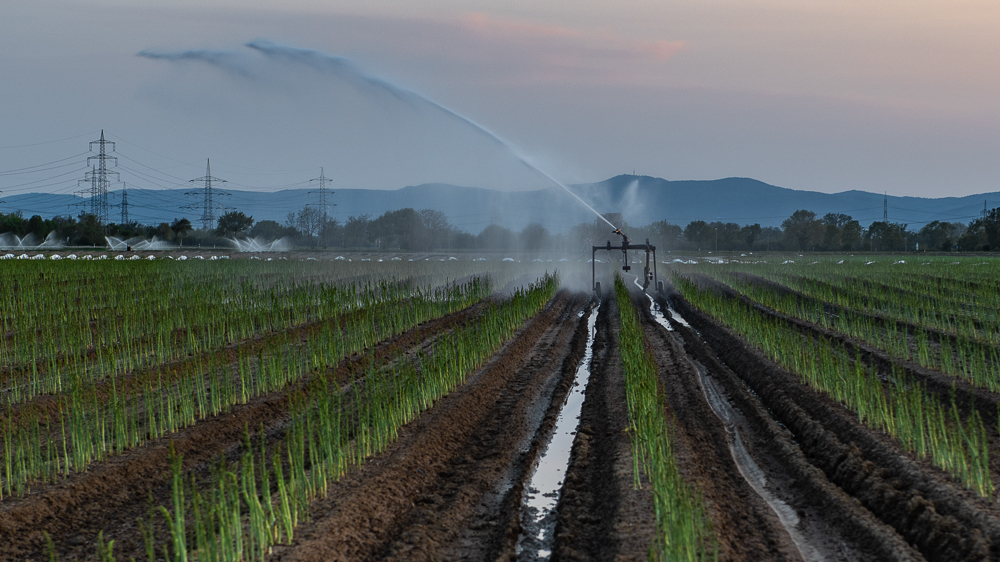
(647, 275)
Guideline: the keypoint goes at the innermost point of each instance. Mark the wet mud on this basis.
(600, 515)
(935, 517)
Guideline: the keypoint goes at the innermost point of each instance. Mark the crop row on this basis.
(941, 303)
(900, 407)
(90, 421)
(102, 319)
(683, 530)
(959, 356)
(247, 508)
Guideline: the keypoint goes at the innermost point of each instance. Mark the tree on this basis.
(886, 236)
(836, 219)
(181, 227)
(534, 237)
(402, 228)
(668, 235)
(309, 221)
(750, 233)
(233, 223)
(163, 231)
(850, 236)
(268, 230)
(802, 230)
(698, 233)
(90, 231)
(983, 234)
(938, 235)
(330, 232)
(495, 237)
(356, 231)
(436, 228)
(771, 235)
(831, 237)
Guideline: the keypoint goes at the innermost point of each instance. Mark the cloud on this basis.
(567, 43)
(229, 61)
(480, 22)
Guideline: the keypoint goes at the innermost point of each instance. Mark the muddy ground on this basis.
(924, 507)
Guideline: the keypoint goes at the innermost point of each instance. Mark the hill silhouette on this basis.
(640, 199)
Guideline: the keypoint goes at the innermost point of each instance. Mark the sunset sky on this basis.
(822, 95)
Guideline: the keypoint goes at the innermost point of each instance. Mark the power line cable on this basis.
(39, 167)
(47, 142)
(71, 172)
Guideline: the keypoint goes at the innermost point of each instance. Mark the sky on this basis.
(825, 95)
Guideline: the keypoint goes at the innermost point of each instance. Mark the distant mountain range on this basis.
(640, 199)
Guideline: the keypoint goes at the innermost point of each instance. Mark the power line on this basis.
(69, 173)
(41, 167)
(46, 142)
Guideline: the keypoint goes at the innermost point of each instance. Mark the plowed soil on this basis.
(924, 507)
(785, 473)
(450, 488)
(112, 495)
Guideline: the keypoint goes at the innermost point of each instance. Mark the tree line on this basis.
(424, 230)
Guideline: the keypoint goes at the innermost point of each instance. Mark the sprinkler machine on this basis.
(647, 275)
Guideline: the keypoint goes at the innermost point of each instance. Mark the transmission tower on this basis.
(98, 178)
(124, 204)
(885, 207)
(208, 205)
(91, 178)
(323, 180)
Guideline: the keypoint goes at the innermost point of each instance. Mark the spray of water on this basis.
(9, 240)
(346, 70)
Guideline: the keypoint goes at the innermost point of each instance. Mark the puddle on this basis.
(538, 515)
(658, 313)
(659, 316)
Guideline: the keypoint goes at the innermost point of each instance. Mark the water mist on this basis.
(346, 70)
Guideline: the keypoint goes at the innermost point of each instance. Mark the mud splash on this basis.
(538, 513)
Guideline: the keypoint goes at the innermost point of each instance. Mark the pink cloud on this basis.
(478, 21)
(662, 49)
(569, 43)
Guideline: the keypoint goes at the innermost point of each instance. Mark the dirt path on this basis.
(450, 487)
(112, 495)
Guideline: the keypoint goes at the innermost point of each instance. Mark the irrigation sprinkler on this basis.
(647, 275)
